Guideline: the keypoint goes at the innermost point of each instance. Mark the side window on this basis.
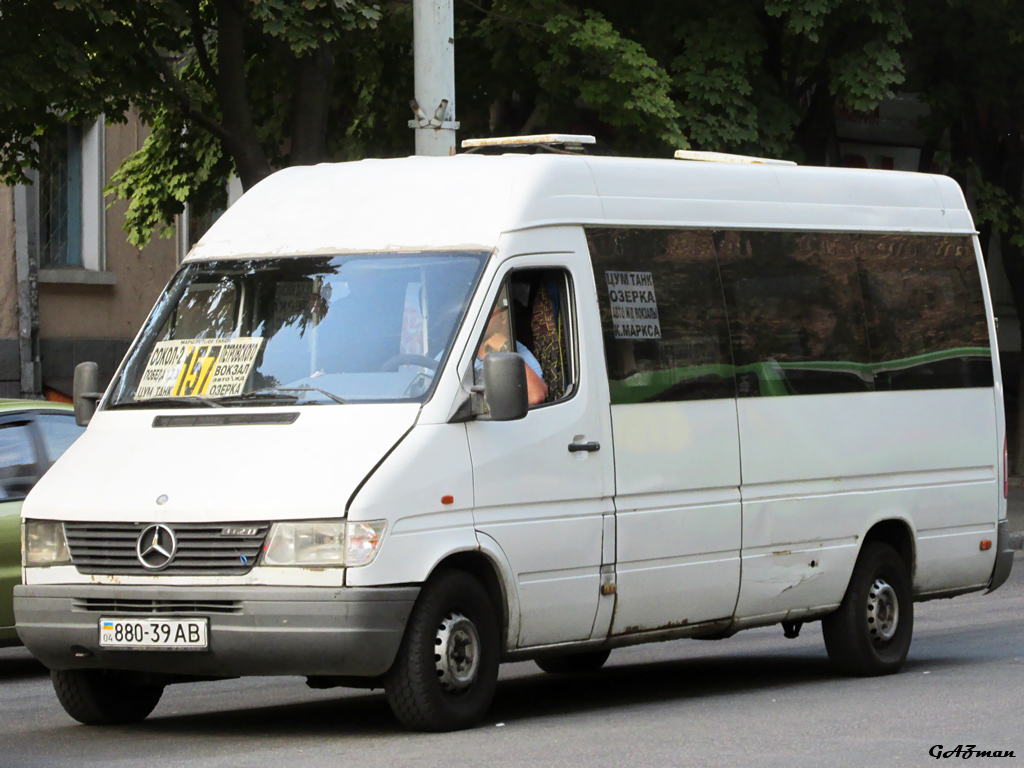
(58, 432)
(795, 313)
(925, 312)
(533, 316)
(817, 313)
(666, 336)
(19, 468)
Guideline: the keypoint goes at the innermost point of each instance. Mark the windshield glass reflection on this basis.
(362, 328)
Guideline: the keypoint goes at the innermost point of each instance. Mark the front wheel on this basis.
(105, 696)
(870, 633)
(446, 671)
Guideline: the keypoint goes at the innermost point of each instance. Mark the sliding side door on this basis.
(673, 413)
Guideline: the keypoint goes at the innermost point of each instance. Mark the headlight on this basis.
(321, 543)
(45, 543)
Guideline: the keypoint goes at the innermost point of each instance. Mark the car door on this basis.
(543, 484)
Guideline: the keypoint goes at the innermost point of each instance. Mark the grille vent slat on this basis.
(161, 607)
(109, 548)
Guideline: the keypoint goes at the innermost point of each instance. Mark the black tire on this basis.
(105, 696)
(870, 634)
(573, 663)
(446, 671)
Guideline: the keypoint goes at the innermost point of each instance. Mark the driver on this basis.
(496, 339)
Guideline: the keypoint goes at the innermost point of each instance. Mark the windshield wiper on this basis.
(260, 395)
(323, 392)
(170, 401)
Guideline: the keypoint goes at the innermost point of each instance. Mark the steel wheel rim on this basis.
(883, 612)
(456, 652)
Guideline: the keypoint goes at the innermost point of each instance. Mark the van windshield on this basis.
(353, 328)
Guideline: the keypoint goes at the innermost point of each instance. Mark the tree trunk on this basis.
(243, 143)
(816, 135)
(314, 80)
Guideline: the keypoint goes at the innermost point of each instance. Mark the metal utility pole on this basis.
(433, 44)
(25, 249)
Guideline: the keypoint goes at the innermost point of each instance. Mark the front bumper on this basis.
(252, 630)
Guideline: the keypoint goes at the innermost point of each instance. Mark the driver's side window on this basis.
(532, 316)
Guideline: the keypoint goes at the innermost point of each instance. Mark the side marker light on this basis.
(986, 545)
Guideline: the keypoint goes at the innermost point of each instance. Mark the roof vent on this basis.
(721, 157)
(551, 142)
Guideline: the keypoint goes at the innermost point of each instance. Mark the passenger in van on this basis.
(496, 339)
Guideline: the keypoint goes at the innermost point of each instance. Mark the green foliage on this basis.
(177, 164)
(996, 206)
(730, 75)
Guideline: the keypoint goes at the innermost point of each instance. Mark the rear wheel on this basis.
(870, 634)
(447, 666)
(105, 696)
(588, 661)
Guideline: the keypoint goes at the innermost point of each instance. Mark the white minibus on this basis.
(394, 422)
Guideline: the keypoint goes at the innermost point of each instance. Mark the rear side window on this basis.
(698, 314)
(19, 468)
(818, 313)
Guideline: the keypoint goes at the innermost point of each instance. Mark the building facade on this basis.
(72, 288)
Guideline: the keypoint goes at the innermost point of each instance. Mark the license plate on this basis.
(147, 634)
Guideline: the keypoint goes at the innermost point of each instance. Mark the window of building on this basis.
(64, 209)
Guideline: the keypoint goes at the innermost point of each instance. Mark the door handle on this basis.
(588, 447)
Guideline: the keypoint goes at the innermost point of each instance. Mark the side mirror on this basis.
(505, 386)
(87, 376)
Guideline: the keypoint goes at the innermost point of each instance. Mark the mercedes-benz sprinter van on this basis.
(394, 422)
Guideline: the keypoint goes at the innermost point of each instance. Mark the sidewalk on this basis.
(1015, 512)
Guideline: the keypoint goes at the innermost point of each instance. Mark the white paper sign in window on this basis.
(198, 367)
(633, 304)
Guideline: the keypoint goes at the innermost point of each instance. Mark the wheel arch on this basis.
(483, 568)
(898, 534)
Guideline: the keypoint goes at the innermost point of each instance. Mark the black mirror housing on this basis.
(87, 376)
(505, 386)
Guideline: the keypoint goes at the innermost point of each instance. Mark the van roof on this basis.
(468, 201)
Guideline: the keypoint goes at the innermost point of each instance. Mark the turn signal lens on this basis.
(362, 542)
(986, 545)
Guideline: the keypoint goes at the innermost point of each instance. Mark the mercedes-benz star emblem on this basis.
(156, 547)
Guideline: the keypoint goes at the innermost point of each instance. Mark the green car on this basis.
(33, 435)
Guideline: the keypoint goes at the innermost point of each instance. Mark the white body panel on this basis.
(677, 504)
(224, 473)
(819, 470)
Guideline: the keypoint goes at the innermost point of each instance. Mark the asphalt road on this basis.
(756, 699)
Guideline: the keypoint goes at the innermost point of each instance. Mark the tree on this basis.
(731, 75)
(249, 86)
(226, 85)
(963, 61)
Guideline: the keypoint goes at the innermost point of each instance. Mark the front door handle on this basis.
(588, 447)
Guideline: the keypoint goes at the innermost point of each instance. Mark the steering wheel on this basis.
(392, 363)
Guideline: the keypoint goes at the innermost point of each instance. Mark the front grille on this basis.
(203, 548)
(155, 607)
